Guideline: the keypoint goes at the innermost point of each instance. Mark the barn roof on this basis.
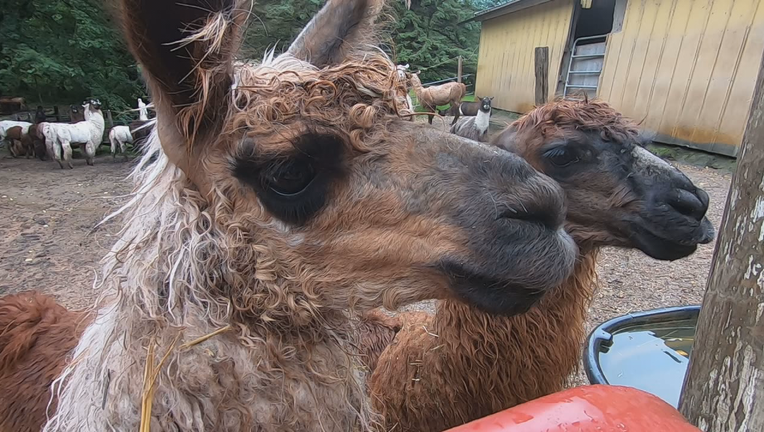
(507, 8)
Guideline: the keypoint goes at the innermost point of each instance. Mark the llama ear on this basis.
(340, 28)
(186, 50)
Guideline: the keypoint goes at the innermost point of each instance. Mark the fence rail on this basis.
(446, 80)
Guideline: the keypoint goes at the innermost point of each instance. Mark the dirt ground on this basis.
(47, 241)
(47, 217)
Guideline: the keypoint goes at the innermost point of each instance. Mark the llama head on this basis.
(326, 198)
(617, 192)
(403, 72)
(485, 104)
(91, 105)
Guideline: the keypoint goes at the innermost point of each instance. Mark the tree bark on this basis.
(724, 387)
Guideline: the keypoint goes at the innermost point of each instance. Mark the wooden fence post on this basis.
(724, 387)
(459, 71)
(542, 75)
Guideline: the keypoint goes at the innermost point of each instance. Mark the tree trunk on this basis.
(724, 388)
(459, 71)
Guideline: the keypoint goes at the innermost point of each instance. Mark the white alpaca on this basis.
(143, 113)
(88, 133)
(120, 136)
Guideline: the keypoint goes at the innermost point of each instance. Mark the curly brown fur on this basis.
(466, 364)
(36, 337)
(376, 330)
(463, 364)
(274, 201)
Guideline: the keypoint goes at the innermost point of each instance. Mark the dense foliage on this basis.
(62, 51)
(429, 36)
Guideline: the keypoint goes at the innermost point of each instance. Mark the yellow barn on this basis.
(685, 69)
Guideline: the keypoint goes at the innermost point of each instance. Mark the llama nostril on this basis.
(690, 204)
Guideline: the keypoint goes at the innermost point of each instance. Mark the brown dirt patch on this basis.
(47, 217)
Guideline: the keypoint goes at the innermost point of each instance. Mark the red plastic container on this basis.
(599, 408)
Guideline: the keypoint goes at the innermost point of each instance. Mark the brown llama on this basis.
(14, 135)
(431, 97)
(284, 198)
(463, 364)
(32, 327)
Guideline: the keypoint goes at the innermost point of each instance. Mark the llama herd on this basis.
(55, 140)
(279, 207)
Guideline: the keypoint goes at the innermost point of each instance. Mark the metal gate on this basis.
(585, 67)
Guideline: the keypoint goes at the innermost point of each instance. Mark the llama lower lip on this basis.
(661, 248)
(488, 293)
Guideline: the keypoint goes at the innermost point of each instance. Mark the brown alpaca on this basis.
(283, 198)
(14, 135)
(429, 98)
(463, 364)
(32, 327)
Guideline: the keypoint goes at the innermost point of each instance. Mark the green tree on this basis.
(63, 51)
(432, 34)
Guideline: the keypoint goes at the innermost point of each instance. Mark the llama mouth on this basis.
(659, 246)
(488, 293)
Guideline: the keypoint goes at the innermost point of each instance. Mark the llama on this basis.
(13, 136)
(5, 125)
(285, 197)
(403, 77)
(143, 113)
(39, 115)
(32, 144)
(463, 364)
(430, 97)
(475, 128)
(87, 133)
(470, 109)
(120, 136)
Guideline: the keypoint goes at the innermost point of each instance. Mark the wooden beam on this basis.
(724, 388)
(542, 75)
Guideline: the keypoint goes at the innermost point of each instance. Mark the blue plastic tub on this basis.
(647, 350)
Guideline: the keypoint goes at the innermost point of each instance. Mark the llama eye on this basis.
(292, 178)
(561, 157)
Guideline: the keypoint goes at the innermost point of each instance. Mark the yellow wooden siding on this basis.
(506, 59)
(686, 68)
